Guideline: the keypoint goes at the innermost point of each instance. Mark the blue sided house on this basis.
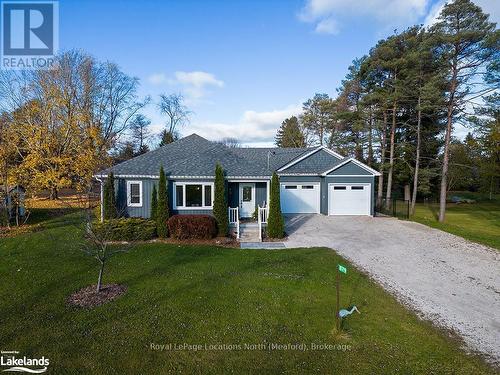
(313, 180)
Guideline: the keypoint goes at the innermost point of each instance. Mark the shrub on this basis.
(162, 211)
(126, 229)
(220, 204)
(109, 203)
(275, 223)
(192, 227)
(154, 203)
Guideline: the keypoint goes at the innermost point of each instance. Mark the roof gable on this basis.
(316, 161)
(351, 167)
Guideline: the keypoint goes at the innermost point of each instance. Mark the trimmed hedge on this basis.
(184, 227)
(126, 229)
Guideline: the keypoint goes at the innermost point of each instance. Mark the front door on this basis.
(247, 199)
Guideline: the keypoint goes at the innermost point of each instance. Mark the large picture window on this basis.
(193, 195)
(134, 193)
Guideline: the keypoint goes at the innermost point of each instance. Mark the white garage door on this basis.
(349, 199)
(299, 198)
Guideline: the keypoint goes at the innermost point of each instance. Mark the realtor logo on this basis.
(29, 34)
(14, 363)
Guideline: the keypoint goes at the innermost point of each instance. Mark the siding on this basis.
(121, 198)
(318, 162)
(260, 193)
(350, 169)
(234, 193)
(147, 189)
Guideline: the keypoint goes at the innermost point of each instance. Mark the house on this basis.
(13, 201)
(313, 180)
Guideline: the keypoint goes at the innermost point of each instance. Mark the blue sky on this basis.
(243, 66)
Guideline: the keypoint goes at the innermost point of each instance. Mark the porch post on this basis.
(268, 187)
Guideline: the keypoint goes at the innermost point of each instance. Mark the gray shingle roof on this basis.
(197, 156)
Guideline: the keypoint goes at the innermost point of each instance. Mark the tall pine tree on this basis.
(290, 134)
(467, 43)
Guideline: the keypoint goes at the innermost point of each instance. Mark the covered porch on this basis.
(248, 201)
(247, 195)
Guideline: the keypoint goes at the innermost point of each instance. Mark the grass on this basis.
(203, 295)
(478, 222)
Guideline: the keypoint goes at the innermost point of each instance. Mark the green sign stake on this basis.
(342, 269)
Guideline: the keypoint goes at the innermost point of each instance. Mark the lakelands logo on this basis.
(14, 363)
(30, 34)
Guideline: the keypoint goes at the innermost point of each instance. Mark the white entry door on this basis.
(247, 199)
(349, 199)
(300, 198)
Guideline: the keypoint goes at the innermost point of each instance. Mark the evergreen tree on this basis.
(275, 223)
(154, 203)
(162, 213)
(220, 203)
(167, 137)
(467, 43)
(318, 117)
(290, 134)
(109, 204)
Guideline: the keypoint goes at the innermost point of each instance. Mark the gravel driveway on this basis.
(445, 278)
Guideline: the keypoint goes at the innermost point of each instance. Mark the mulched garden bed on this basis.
(88, 296)
(217, 241)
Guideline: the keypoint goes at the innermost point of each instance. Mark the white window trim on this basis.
(129, 203)
(203, 184)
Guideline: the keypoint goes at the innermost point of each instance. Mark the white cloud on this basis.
(326, 14)
(327, 26)
(195, 85)
(253, 128)
(492, 7)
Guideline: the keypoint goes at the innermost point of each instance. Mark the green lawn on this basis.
(208, 296)
(478, 222)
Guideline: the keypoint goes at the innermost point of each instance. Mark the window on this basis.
(194, 195)
(190, 195)
(290, 186)
(179, 195)
(208, 195)
(247, 193)
(339, 188)
(308, 187)
(134, 193)
(357, 187)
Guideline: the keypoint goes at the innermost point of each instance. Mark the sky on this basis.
(242, 66)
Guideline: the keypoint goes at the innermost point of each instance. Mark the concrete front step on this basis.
(262, 245)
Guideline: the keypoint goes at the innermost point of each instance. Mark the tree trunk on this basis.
(54, 194)
(370, 139)
(417, 159)
(380, 192)
(99, 280)
(391, 157)
(446, 156)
